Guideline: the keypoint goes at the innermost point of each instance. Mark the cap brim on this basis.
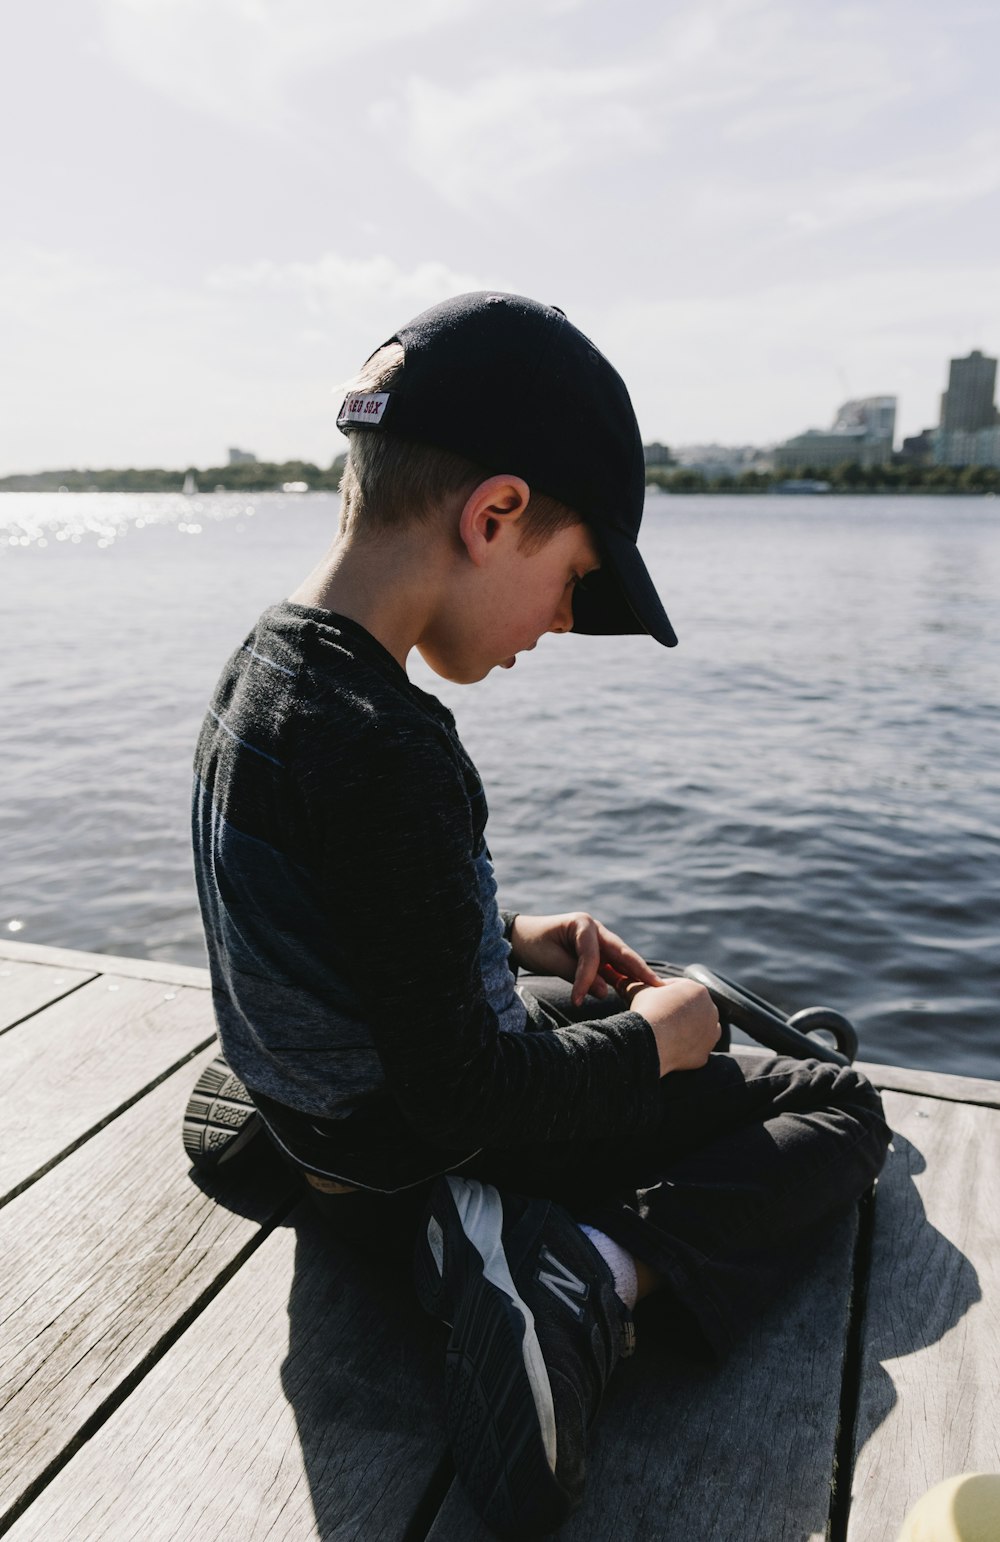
(620, 597)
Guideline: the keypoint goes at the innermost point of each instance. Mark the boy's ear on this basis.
(494, 506)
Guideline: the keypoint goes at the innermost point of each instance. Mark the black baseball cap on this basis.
(512, 385)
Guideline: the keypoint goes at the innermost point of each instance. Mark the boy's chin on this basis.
(457, 671)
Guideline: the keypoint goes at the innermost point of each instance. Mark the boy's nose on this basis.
(562, 621)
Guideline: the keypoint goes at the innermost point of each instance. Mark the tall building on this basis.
(241, 457)
(969, 434)
(968, 402)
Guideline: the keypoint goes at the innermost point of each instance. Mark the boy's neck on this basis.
(388, 587)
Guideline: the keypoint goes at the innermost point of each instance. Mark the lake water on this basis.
(803, 795)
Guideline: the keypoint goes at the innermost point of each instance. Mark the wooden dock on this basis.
(181, 1359)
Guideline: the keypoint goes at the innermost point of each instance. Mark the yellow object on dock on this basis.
(962, 1509)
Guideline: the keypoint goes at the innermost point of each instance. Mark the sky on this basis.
(214, 210)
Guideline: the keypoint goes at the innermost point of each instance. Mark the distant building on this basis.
(242, 457)
(715, 460)
(968, 447)
(969, 434)
(861, 435)
(918, 449)
(824, 448)
(875, 414)
(968, 402)
(657, 454)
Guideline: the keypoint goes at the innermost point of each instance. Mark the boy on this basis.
(551, 1160)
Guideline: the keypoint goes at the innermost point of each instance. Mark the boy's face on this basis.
(521, 593)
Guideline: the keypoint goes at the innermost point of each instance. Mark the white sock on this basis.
(619, 1261)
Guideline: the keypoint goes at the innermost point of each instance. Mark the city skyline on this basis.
(967, 406)
(217, 209)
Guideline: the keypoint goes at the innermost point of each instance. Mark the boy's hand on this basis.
(574, 946)
(684, 1020)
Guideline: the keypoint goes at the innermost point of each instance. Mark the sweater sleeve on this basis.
(397, 844)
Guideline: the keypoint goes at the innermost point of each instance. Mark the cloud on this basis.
(486, 141)
(796, 201)
(237, 59)
(737, 198)
(728, 96)
(962, 174)
(98, 359)
(334, 285)
(345, 305)
(108, 366)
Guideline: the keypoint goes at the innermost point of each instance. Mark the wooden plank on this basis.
(26, 988)
(742, 1453)
(106, 963)
(68, 1069)
(930, 1394)
(301, 1404)
(102, 1259)
(933, 1084)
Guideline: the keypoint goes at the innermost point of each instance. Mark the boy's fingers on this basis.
(582, 981)
(628, 961)
(624, 987)
(594, 944)
(588, 958)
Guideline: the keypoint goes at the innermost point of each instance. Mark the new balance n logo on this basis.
(562, 1282)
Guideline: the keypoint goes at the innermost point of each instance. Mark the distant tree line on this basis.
(250, 477)
(846, 478)
(268, 476)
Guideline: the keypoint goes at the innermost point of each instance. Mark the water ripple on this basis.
(805, 794)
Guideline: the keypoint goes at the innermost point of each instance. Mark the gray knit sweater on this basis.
(359, 970)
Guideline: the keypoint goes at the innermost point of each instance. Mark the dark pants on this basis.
(725, 1198)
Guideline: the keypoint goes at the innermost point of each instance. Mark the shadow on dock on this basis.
(734, 1450)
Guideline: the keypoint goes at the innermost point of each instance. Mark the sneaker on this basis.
(220, 1121)
(537, 1330)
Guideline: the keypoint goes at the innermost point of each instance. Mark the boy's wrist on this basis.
(508, 917)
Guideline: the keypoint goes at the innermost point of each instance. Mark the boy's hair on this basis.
(389, 481)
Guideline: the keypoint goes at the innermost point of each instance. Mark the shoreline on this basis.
(654, 488)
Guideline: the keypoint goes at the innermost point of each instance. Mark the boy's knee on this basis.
(859, 1089)
(848, 1091)
(842, 1085)
(859, 1098)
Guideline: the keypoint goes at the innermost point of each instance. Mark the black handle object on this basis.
(827, 1020)
(769, 1026)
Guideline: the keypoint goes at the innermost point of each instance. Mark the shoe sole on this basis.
(220, 1121)
(500, 1413)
